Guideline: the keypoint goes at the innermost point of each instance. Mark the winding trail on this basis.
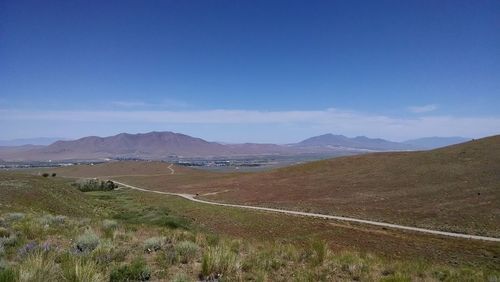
(172, 171)
(191, 197)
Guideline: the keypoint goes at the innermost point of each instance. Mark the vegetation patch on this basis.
(96, 185)
(87, 242)
(136, 271)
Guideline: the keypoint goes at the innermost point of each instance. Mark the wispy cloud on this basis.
(328, 120)
(163, 104)
(423, 109)
(128, 104)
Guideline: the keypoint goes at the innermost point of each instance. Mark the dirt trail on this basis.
(316, 215)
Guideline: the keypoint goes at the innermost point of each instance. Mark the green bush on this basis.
(87, 242)
(96, 185)
(186, 251)
(136, 271)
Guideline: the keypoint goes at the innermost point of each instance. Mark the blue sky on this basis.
(260, 71)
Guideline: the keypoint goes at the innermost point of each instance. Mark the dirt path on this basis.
(316, 215)
(172, 171)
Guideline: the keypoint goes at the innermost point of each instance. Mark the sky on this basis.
(250, 71)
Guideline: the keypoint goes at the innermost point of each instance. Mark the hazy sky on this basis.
(261, 71)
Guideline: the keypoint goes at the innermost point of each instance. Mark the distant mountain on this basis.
(152, 145)
(360, 142)
(162, 145)
(30, 141)
(436, 142)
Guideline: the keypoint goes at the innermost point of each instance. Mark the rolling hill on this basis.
(454, 188)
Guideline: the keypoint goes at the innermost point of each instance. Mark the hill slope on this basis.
(454, 188)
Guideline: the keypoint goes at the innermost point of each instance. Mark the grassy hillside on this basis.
(454, 188)
(22, 192)
(120, 235)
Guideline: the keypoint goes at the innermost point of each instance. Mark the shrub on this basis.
(136, 271)
(49, 219)
(109, 224)
(33, 247)
(106, 253)
(39, 266)
(167, 257)
(87, 242)
(217, 261)
(12, 240)
(187, 251)
(2, 250)
(14, 216)
(153, 244)
(96, 185)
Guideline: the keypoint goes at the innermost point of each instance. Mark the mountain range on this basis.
(436, 142)
(161, 145)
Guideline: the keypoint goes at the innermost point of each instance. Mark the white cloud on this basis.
(163, 104)
(128, 104)
(322, 121)
(423, 109)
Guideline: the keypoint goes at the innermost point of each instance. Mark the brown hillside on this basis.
(453, 188)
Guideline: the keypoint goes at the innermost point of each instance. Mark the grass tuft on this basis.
(82, 270)
(218, 261)
(186, 251)
(39, 267)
